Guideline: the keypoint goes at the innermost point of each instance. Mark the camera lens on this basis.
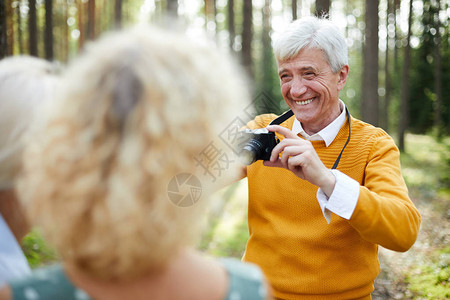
(251, 152)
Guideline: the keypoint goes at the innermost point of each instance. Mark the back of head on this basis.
(313, 32)
(132, 113)
(25, 84)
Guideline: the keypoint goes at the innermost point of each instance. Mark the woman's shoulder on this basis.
(247, 281)
(46, 283)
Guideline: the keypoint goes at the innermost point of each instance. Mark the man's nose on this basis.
(297, 88)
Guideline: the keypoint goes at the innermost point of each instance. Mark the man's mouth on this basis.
(305, 101)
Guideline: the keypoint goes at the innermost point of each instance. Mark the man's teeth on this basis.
(304, 102)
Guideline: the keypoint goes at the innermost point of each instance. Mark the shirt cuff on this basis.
(343, 200)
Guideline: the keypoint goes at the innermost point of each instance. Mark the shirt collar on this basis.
(328, 134)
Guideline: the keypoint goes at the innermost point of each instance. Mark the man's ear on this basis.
(343, 74)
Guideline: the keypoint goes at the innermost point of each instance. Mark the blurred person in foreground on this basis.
(332, 191)
(132, 113)
(26, 83)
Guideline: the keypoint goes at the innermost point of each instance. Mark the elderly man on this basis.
(332, 191)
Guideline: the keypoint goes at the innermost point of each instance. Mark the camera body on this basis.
(259, 145)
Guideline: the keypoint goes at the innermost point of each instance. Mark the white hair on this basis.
(313, 32)
(25, 83)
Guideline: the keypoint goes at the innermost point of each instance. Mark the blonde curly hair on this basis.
(132, 112)
(26, 84)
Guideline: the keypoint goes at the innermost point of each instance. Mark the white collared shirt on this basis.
(328, 134)
(345, 195)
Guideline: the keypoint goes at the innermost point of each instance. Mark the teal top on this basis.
(51, 283)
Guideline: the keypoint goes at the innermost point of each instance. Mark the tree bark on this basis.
(438, 75)
(322, 7)
(247, 36)
(81, 23)
(384, 116)
(118, 13)
(32, 28)
(172, 8)
(91, 20)
(396, 37)
(3, 39)
(48, 39)
(294, 9)
(65, 44)
(210, 17)
(9, 26)
(231, 27)
(19, 29)
(404, 105)
(370, 69)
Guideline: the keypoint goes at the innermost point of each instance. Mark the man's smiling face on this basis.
(311, 89)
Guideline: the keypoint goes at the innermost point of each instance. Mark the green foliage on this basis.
(230, 243)
(426, 169)
(432, 281)
(227, 231)
(422, 85)
(37, 251)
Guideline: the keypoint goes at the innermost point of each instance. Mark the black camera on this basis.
(259, 145)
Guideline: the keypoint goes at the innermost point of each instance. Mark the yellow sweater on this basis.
(303, 256)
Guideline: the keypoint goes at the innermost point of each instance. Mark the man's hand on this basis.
(300, 157)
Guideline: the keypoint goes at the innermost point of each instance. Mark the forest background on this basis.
(399, 63)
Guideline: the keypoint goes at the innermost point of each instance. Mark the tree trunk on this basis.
(370, 69)
(9, 26)
(19, 29)
(404, 105)
(247, 36)
(231, 29)
(384, 117)
(210, 17)
(322, 7)
(65, 38)
(32, 28)
(102, 16)
(268, 103)
(438, 75)
(81, 23)
(3, 39)
(294, 9)
(118, 13)
(396, 37)
(48, 40)
(266, 41)
(91, 20)
(172, 8)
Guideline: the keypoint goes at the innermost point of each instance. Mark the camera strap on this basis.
(289, 114)
(282, 118)
(336, 163)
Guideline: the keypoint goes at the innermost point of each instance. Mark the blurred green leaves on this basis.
(37, 251)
